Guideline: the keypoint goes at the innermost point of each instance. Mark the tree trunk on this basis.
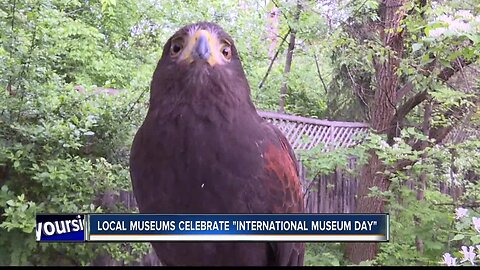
(288, 61)
(382, 112)
(357, 252)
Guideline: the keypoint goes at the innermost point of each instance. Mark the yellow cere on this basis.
(215, 46)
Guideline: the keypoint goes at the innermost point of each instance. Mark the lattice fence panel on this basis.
(306, 133)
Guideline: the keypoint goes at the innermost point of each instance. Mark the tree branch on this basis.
(130, 110)
(281, 12)
(319, 74)
(418, 98)
(437, 134)
(260, 85)
(288, 61)
(474, 204)
(457, 65)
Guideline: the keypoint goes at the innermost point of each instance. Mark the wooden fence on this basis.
(306, 133)
(334, 193)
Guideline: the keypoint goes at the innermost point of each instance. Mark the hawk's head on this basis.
(197, 55)
(201, 43)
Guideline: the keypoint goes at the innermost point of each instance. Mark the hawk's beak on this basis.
(202, 46)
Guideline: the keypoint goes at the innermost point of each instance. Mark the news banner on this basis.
(212, 227)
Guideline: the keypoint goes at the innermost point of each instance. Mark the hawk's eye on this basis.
(227, 52)
(176, 48)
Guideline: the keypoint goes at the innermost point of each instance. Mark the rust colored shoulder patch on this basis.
(282, 168)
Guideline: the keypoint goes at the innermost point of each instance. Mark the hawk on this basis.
(203, 149)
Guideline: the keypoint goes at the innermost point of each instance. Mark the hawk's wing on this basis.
(281, 181)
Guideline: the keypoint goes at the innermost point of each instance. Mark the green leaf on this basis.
(416, 46)
(458, 237)
(475, 38)
(475, 239)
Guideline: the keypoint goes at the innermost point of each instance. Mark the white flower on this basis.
(476, 223)
(435, 33)
(384, 144)
(461, 212)
(449, 260)
(466, 14)
(468, 255)
(459, 26)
